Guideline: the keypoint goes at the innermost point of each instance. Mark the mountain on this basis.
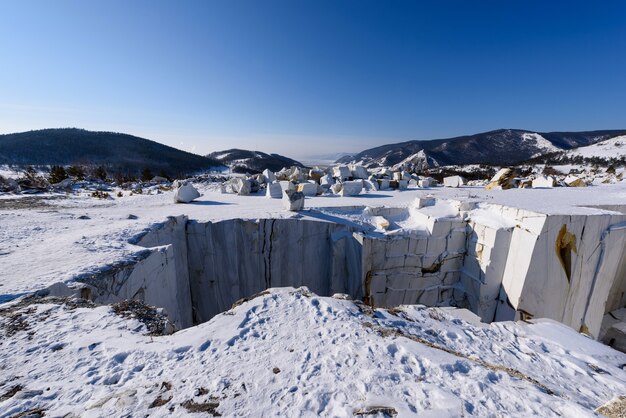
(244, 161)
(500, 147)
(117, 151)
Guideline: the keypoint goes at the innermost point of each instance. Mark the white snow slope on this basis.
(609, 148)
(291, 353)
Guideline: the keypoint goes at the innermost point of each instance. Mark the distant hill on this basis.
(499, 147)
(118, 152)
(252, 162)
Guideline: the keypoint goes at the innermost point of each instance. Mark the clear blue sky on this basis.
(311, 77)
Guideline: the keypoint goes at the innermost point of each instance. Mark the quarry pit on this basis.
(501, 263)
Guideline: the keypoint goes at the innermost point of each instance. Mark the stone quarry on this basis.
(500, 262)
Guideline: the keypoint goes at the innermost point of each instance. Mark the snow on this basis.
(540, 142)
(291, 353)
(609, 148)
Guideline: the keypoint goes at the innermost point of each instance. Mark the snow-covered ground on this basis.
(609, 148)
(51, 238)
(291, 353)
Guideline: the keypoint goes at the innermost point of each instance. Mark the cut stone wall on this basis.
(511, 264)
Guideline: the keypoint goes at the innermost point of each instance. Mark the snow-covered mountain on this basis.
(245, 161)
(503, 146)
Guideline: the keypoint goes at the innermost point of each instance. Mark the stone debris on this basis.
(454, 181)
(293, 201)
(184, 192)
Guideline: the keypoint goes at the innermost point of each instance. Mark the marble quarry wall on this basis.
(502, 263)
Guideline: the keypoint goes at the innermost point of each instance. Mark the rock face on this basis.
(185, 193)
(293, 201)
(500, 262)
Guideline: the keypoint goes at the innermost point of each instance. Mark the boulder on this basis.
(293, 201)
(336, 188)
(380, 222)
(403, 184)
(287, 185)
(8, 185)
(342, 172)
(504, 179)
(241, 186)
(370, 185)
(269, 176)
(307, 189)
(64, 184)
(185, 192)
(274, 191)
(358, 171)
(351, 188)
(315, 174)
(543, 182)
(383, 184)
(423, 201)
(326, 181)
(574, 181)
(454, 181)
(297, 175)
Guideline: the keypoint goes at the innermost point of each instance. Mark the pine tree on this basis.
(57, 174)
(146, 174)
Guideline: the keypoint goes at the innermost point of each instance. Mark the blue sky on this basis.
(311, 77)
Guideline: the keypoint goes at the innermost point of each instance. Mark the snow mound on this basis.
(288, 352)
